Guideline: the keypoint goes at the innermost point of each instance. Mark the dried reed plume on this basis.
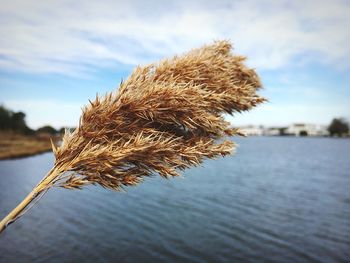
(164, 118)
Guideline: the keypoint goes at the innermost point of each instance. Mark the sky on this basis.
(55, 55)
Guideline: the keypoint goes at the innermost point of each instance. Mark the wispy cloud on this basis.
(71, 37)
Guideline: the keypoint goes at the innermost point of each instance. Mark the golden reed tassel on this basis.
(164, 118)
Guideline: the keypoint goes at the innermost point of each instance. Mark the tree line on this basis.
(11, 121)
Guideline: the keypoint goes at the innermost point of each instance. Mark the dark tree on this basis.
(5, 118)
(13, 121)
(338, 127)
(17, 121)
(46, 129)
(303, 133)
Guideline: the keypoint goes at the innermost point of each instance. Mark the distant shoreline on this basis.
(293, 136)
(23, 155)
(13, 146)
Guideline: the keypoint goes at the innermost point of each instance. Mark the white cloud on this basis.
(69, 37)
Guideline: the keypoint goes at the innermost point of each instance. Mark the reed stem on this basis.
(37, 190)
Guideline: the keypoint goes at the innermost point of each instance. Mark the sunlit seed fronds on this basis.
(164, 118)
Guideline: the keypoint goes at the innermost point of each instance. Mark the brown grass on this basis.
(16, 145)
(164, 118)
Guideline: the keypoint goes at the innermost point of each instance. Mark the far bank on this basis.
(16, 146)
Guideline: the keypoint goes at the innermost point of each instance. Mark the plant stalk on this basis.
(43, 185)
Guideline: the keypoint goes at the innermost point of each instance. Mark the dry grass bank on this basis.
(15, 145)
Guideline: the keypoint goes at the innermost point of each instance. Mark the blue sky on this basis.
(55, 55)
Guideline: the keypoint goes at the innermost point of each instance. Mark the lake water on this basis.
(277, 200)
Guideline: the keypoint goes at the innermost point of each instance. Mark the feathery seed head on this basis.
(164, 118)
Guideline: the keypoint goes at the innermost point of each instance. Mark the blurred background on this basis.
(283, 197)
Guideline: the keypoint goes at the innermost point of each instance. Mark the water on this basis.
(276, 200)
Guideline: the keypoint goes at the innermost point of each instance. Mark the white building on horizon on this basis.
(306, 129)
(253, 130)
(296, 129)
(273, 131)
